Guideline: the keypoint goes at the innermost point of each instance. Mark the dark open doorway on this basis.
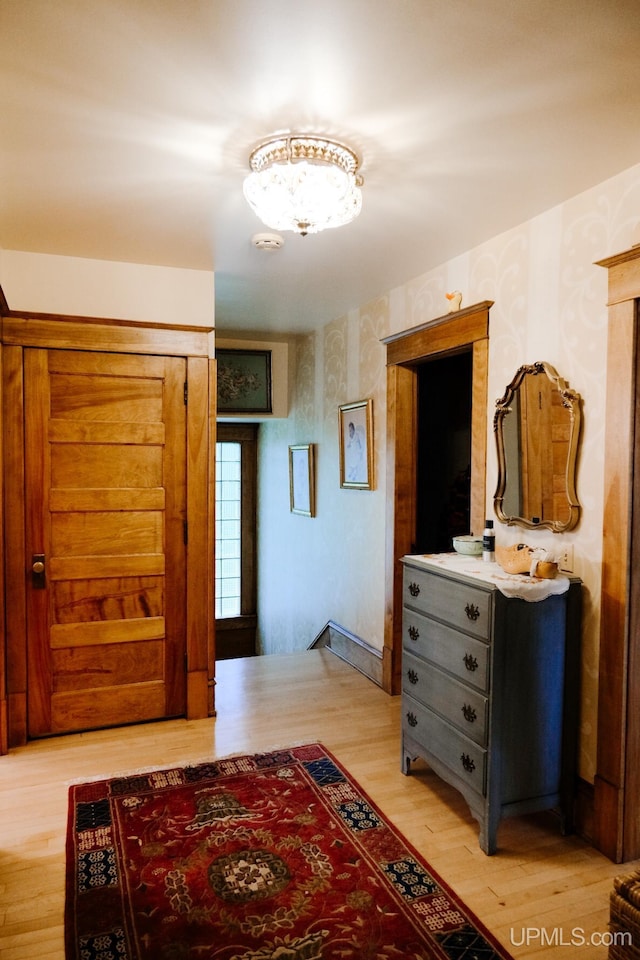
(443, 481)
(464, 333)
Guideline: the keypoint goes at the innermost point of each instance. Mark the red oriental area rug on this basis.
(276, 856)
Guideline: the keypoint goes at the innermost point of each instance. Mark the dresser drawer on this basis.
(462, 756)
(459, 604)
(460, 655)
(463, 707)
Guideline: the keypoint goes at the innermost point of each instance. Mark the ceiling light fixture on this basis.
(304, 183)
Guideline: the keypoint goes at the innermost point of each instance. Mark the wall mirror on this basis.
(537, 427)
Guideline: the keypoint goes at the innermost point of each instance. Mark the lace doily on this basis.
(520, 585)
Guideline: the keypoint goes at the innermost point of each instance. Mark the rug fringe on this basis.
(154, 768)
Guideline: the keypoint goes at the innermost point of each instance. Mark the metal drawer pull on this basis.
(472, 611)
(470, 662)
(467, 762)
(412, 720)
(469, 713)
(413, 632)
(413, 676)
(414, 589)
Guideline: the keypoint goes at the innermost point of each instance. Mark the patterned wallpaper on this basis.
(549, 304)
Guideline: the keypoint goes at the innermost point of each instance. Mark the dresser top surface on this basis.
(489, 575)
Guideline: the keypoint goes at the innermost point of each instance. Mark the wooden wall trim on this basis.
(400, 521)
(105, 336)
(616, 783)
(200, 558)
(463, 330)
(211, 546)
(15, 630)
(440, 335)
(4, 731)
(108, 321)
(632, 767)
(623, 275)
(479, 426)
(615, 537)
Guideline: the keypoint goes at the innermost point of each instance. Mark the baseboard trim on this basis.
(352, 649)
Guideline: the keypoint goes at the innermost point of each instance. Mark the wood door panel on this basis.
(113, 399)
(106, 599)
(70, 431)
(105, 504)
(106, 631)
(102, 365)
(76, 668)
(145, 498)
(93, 466)
(81, 568)
(107, 706)
(92, 534)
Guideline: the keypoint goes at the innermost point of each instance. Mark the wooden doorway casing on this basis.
(467, 329)
(20, 332)
(616, 827)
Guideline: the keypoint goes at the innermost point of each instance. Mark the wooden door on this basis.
(105, 483)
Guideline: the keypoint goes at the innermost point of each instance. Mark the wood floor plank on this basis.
(538, 881)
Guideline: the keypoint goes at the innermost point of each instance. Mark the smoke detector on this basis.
(267, 241)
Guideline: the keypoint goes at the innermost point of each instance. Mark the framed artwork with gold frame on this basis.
(355, 432)
(302, 484)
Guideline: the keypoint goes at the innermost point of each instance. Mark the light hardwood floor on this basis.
(540, 894)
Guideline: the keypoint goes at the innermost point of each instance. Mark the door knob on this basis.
(37, 571)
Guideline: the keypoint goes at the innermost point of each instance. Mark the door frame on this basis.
(466, 329)
(616, 828)
(21, 330)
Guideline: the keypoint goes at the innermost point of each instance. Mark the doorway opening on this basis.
(235, 540)
(443, 475)
(464, 334)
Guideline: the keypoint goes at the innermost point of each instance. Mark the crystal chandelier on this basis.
(304, 184)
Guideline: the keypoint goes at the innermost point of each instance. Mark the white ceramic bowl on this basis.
(469, 545)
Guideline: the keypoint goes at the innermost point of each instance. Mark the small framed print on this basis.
(355, 426)
(302, 490)
(244, 381)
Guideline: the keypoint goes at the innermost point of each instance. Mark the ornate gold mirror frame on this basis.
(537, 456)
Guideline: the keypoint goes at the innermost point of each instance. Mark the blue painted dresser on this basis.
(490, 687)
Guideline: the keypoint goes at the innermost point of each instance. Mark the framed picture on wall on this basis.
(244, 381)
(302, 489)
(355, 431)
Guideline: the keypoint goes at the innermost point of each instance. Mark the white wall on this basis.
(327, 567)
(44, 283)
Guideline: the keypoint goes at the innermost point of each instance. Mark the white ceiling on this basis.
(126, 125)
